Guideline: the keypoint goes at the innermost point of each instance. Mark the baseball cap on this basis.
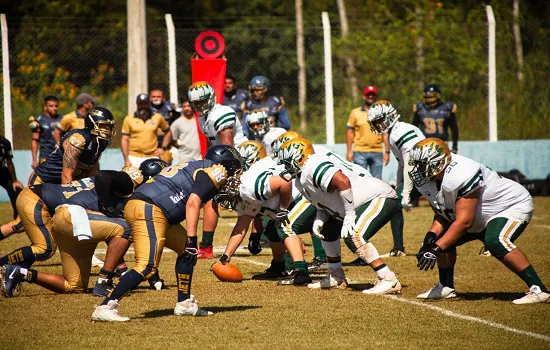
(82, 99)
(370, 89)
(142, 97)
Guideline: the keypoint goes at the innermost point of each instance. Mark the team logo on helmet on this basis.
(382, 116)
(293, 155)
(251, 152)
(202, 98)
(428, 158)
(287, 136)
(258, 123)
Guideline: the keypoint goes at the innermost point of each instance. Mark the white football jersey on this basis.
(463, 176)
(403, 137)
(220, 118)
(255, 191)
(318, 172)
(269, 137)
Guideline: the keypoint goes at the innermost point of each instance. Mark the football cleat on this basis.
(534, 295)
(394, 253)
(317, 264)
(389, 284)
(108, 313)
(190, 307)
(103, 288)
(335, 279)
(438, 292)
(11, 279)
(297, 278)
(205, 253)
(97, 262)
(484, 251)
(273, 272)
(358, 262)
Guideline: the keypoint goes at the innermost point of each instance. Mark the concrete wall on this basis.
(531, 157)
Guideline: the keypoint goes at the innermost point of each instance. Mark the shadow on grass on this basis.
(495, 296)
(214, 309)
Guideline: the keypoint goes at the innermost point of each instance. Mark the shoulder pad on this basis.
(78, 140)
(34, 125)
(277, 100)
(459, 174)
(217, 174)
(135, 175)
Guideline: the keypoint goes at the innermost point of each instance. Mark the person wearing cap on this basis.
(434, 117)
(363, 146)
(75, 119)
(139, 133)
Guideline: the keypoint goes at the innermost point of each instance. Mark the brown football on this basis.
(227, 272)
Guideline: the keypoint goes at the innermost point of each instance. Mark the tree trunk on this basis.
(419, 48)
(517, 40)
(350, 66)
(301, 66)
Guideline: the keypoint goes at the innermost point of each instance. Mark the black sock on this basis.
(207, 239)
(22, 256)
(129, 281)
(184, 276)
(379, 267)
(530, 277)
(300, 265)
(446, 276)
(155, 278)
(397, 222)
(106, 274)
(32, 275)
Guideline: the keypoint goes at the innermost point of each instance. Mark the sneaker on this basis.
(394, 253)
(11, 279)
(108, 313)
(272, 273)
(335, 279)
(298, 278)
(190, 307)
(205, 253)
(484, 251)
(533, 296)
(358, 262)
(103, 288)
(389, 284)
(318, 264)
(438, 292)
(96, 262)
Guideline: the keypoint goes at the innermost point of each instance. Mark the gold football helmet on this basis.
(293, 155)
(428, 158)
(382, 116)
(289, 135)
(229, 194)
(251, 152)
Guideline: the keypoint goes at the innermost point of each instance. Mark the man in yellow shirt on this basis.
(139, 134)
(367, 147)
(75, 119)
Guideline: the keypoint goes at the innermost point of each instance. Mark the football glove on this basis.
(348, 227)
(406, 204)
(317, 228)
(191, 250)
(254, 246)
(281, 218)
(427, 257)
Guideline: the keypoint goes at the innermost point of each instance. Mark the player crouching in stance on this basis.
(328, 182)
(261, 192)
(154, 213)
(471, 202)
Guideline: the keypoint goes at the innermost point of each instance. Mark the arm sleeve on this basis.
(407, 182)
(454, 127)
(284, 119)
(415, 120)
(125, 127)
(203, 187)
(106, 181)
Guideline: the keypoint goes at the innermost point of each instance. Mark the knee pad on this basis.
(368, 253)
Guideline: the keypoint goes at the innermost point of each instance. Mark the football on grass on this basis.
(227, 272)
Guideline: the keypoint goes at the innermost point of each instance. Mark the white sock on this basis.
(100, 280)
(383, 271)
(23, 272)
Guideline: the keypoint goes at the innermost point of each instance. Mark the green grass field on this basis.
(261, 315)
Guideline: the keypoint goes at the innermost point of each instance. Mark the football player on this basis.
(154, 213)
(331, 184)
(471, 202)
(383, 119)
(76, 156)
(260, 129)
(261, 192)
(221, 125)
(78, 225)
(273, 106)
(42, 128)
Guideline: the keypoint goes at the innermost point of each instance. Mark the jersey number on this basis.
(431, 126)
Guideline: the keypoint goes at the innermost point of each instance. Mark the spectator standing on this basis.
(42, 128)
(139, 134)
(435, 117)
(363, 146)
(168, 110)
(185, 135)
(232, 96)
(75, 119)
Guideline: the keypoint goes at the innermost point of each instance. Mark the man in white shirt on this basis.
(185, 135)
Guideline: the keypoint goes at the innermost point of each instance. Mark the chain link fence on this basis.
(65, 58)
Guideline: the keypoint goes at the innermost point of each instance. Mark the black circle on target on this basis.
(209, 44)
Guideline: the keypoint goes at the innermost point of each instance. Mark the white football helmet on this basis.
(258, 123)
(428, 158)
(202, 98)
(382, 116)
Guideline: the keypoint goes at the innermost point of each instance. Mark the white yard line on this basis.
(469, 318)
(545, 226)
